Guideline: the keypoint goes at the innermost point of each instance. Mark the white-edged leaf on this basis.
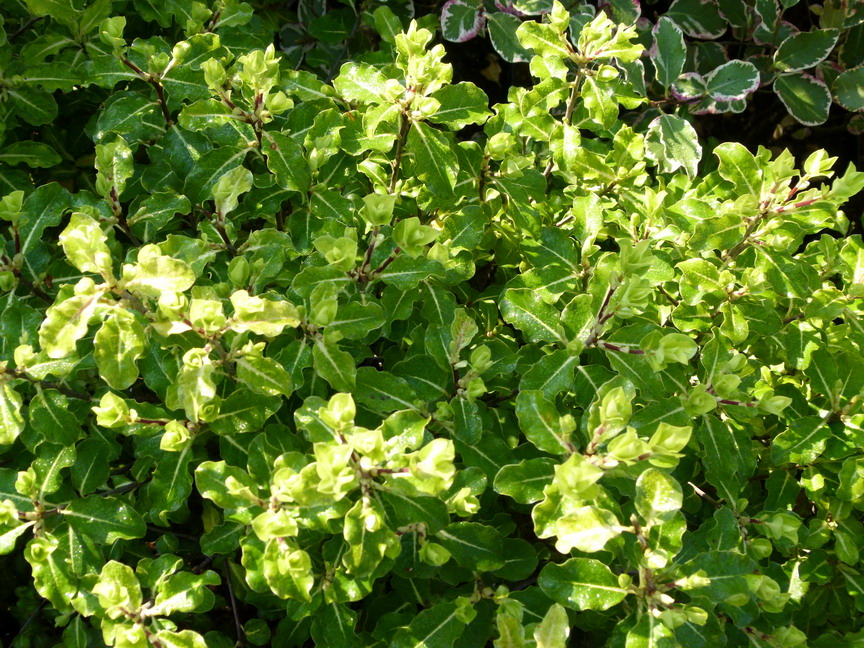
(669, 51)
(461, 20)
(732, 81)
(806, 98)
(849, 89)
(804, 50)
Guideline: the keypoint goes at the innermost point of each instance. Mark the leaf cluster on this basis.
(302, 365)
(710, 56)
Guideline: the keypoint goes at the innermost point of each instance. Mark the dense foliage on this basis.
(303, 364)
(710, 56)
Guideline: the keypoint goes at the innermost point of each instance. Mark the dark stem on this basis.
(20, 373)
(38, 292)
(164, 530)
(219, 224)
(390, 259)
(117, 208)
(602, 317)
(726, 401)
(160, 94)
(367, 258)
(621, 349)
(27, 25)
(157, 85)
(214, 20)
(238, 627)
(400, 145)
(732, 254)
(125, 488)
(674, 301)
(280, 217)
(568, 114)
(35, 612)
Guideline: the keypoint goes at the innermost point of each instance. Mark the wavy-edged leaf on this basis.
(581, 584)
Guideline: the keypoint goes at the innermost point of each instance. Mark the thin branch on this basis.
(400, 145)
(38, 292)
(674, 301)
(621, 349)
(238, 627)
(27, 25)
(44, 384)
(29, 620)
(390, 259)
(157, 85)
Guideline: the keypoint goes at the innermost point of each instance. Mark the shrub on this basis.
(303, 364)
(710, 56)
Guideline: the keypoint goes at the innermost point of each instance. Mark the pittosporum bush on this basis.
(301, 365)
(709, 56)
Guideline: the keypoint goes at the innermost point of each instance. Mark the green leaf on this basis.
(264, 375)
(367, 538)
(849, 89)
(133, 115)
(554, 630)
(33, 154)
(361, 83)
(334, 365)
(541, 423)
(334, 625)
(92, 465)
(672, 143)
(157, 273)
(804, 50)
(50, 416)
(698, 19)
(467, 426)
(586, 528)
(60, 10)
(355, 320)
(542, 39)
(286, 161)
(436, 627)
(503, 33)
(186, 592)
(11, 421)
(403, 510)
(669, 51)
(180, 639)
(650, 632)
(473, 546)
(435, 162)
(85, 245)
(461, 104)
(117, 346)
(806, 98)
(244, 411)
(581, 584)
(525, 481)
(208, 168)
(36, 107)
(739, 166)
(525, 310)
(170, 486)
(105, 519)
(802, 442)
(658, 496)
(65, 324)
